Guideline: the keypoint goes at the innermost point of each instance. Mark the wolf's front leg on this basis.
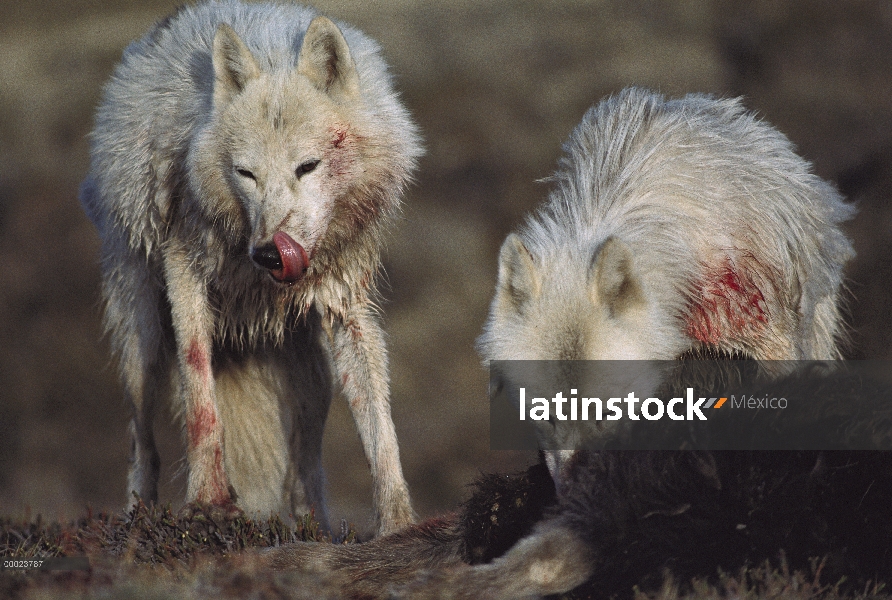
(193, 328)
(360, 361)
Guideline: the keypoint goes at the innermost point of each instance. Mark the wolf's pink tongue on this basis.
(294, 258)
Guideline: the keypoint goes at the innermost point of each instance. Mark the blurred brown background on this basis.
(496, 87)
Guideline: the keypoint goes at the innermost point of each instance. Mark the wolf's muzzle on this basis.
(285, 259)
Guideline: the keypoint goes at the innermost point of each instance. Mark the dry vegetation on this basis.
(203, 552)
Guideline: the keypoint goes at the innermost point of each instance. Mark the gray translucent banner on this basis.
(691, 404)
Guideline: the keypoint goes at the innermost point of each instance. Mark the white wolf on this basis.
(673, 226)
(246, 160)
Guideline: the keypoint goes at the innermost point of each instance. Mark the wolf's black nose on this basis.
(267, 256)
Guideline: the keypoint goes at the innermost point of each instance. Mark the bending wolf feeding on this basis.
(673, 227)
(246, 161)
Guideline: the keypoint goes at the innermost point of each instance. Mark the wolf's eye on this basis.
(245, 173)
(305, 168)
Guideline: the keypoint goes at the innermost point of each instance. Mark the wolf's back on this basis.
(732, 234)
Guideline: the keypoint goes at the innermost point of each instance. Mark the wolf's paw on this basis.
(399, 517)
(215, 511)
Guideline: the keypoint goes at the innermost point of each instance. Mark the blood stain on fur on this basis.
(201, 423)
(197, 359)
(340, 136)
(726, 303)
(355, 330)
(219, 492)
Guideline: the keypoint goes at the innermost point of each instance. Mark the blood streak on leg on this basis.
(205, 444)
(218, 490)
(206, 450)
(726, 304)
(201, 414)
(197, 359)
(201, 423)
(204, 430)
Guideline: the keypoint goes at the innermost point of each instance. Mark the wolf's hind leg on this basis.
(142, 477)
(311, 389)
(133, 322)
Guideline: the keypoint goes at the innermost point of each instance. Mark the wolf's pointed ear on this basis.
(612, 277)
(234, 65)
(519, 280)
(325, 60)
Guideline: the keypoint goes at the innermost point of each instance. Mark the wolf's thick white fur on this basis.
(228, 128)
(672, 225)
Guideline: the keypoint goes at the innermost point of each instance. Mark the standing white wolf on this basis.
(246, 160)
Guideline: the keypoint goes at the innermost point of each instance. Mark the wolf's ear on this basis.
(234, 65)
(325, 59)
(612, 277)
(519, 280)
